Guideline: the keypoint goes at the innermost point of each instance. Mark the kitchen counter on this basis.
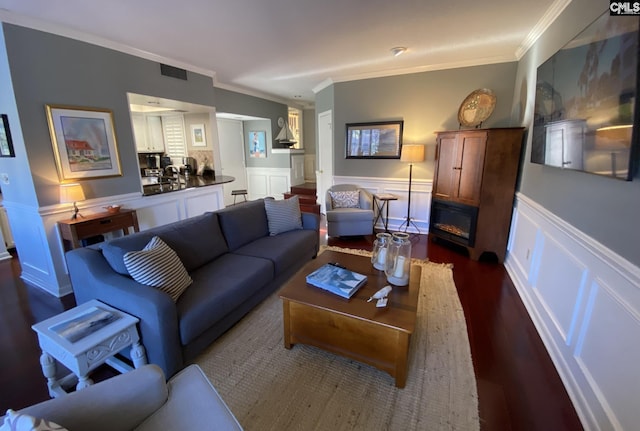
(181, 183)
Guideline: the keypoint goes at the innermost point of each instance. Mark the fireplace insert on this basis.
(454, 221)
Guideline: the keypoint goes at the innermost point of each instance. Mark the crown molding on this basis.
(258, 94)
(324, 84)
(59, 30)
(543, 24)
(427, 68)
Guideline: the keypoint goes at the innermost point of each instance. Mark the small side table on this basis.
(84, 338)
(380, 202)
(73, 231)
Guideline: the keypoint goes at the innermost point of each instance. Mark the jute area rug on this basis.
(270, 388)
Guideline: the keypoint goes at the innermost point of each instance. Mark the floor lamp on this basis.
(411, 153)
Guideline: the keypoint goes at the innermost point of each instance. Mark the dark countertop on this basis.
(194, 181)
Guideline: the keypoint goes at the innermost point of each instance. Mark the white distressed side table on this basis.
(84, 338)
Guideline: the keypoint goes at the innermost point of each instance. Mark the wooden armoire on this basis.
(474, 188)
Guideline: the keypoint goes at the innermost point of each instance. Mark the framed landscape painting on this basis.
(374, 140)
(84, 142)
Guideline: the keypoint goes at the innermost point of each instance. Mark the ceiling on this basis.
(286, 49)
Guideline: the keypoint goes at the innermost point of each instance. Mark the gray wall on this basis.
(427, 102)
(309, 130)
(237, 103)
(21, 188)
(50, 69)
(603, 208)
(272, 160)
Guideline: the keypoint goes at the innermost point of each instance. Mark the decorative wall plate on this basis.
(476, 107)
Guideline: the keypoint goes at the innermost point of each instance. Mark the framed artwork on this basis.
(84, 142)
(381, 140)
(198, 138)
(257, 144)
(6, 144)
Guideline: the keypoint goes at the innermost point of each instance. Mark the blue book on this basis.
(337, 279)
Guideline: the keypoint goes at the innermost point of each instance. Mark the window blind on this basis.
(174, 137)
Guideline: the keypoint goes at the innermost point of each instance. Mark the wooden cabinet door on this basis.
(446, 176)
(471, 165)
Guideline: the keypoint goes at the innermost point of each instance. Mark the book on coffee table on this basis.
(337, 279)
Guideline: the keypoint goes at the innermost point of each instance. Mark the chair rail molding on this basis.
(584, 300)
(420, 198)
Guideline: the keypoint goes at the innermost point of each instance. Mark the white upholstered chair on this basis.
(349, 210)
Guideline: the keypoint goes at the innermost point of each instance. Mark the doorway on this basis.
(231, 138)
(324, 174)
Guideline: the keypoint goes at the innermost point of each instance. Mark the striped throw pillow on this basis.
(159, 266)
(283, 215)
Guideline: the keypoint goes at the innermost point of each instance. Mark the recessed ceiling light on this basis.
(398, 50)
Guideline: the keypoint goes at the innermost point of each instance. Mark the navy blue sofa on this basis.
(234, 264)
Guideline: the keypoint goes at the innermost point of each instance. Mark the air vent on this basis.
(174, 72)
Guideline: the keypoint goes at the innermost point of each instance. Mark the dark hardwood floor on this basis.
(518, 386)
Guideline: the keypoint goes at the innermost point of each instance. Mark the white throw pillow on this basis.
(20, 422)
(283, 215)
(159, 266)
(345, 199)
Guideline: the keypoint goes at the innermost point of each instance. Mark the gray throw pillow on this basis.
(159, 266)
(283, 215)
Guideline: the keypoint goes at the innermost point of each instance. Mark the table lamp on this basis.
(411, 153)
(71, 193)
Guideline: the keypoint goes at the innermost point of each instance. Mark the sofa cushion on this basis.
(345, 199)
(285, 250)
(14, 421)
(196, 240)
(350, 214)
(217, 289)
(283, 215)
(159, 266)
(243, 223)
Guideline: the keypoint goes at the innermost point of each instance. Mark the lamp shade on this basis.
(412, 153)
(70, 193)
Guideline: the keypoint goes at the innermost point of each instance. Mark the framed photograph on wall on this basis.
(198, 138)
(6, 144)
(84, 142)
(257, 144)
(381, 140)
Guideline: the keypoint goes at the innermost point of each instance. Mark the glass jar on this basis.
(398, 264)
(380, 246)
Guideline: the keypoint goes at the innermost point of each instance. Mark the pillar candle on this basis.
(382, 256)
(399, 269)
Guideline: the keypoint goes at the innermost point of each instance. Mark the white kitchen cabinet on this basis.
(147, 132)
(155, 134)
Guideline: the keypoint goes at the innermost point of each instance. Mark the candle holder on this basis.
(398, 264)
(380, 247)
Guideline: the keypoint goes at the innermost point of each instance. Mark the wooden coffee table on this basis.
(353, 328)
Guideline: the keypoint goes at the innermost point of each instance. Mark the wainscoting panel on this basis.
(606, 353)
(310, 168)
(265, 182)
(297, 169)
(585, 302)
(558, 285)
(420, 199)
